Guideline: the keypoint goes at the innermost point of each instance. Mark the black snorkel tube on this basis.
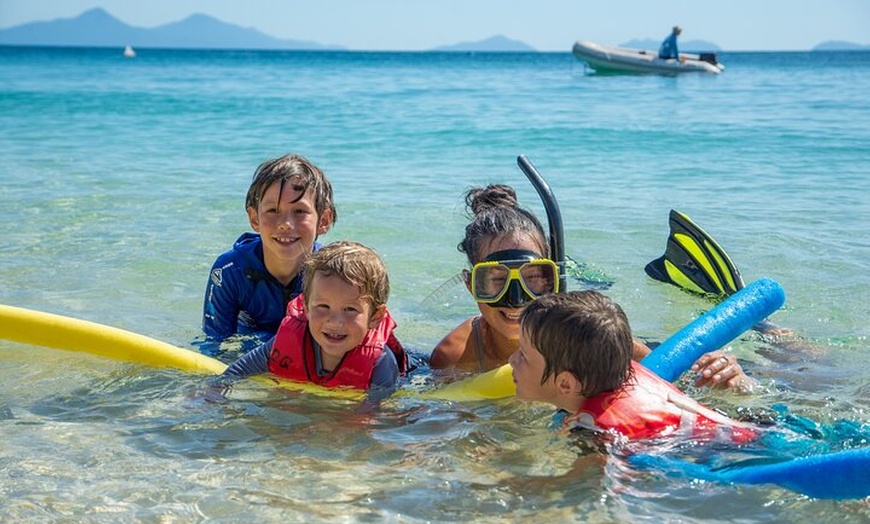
(554, 217)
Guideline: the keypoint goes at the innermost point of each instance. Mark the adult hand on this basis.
(719, 369)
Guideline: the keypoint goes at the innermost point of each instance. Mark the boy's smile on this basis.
(288, 225)
(338, 316)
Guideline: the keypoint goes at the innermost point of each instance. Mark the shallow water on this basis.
(123, 179)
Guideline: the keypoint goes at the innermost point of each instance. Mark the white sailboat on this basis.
(129, 52)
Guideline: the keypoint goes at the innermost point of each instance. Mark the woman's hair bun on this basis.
(481, 199)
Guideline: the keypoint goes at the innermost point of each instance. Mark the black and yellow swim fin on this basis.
(694, 261)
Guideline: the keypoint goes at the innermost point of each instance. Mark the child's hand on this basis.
(201, 398)
(215, 394)
(718, 369)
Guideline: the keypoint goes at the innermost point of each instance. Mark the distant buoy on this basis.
(129, 52)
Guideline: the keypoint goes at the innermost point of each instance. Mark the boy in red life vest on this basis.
(338, 332)
(575, 353)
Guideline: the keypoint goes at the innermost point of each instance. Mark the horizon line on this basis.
(339, 49)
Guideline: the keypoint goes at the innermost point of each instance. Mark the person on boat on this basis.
(668, 48)
(506, 246)
(289, 204)
(575, 352)
(338, 333)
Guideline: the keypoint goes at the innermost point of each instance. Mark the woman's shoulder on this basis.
(452, 347)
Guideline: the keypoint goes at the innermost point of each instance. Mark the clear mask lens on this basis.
(491, 281)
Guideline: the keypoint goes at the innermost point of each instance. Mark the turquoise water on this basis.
(123, 179)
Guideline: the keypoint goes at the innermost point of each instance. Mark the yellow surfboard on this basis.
(38, 328)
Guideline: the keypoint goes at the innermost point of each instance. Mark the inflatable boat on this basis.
(621, 59)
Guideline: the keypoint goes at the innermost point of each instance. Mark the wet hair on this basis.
(354, 263)
(301, 173)
(585, 333)
(496, 213)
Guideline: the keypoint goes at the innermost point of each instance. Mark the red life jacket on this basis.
(652, 407)
(293, 357)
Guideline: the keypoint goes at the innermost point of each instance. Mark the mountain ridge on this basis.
(688, 45)
(493, 43)
(97, 28)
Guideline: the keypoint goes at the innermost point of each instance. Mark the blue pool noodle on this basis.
(716, 328)
(841, 475)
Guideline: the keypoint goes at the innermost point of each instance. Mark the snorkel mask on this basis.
(512, 278)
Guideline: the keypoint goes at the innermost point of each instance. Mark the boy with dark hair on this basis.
(289, 204)
(575, 353)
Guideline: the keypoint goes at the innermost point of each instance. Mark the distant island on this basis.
(696, 46)
(495, 43)
(98, 28)
(688, 45)
(839, 45)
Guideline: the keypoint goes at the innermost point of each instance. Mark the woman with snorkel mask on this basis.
(509, 256)
(512, 264)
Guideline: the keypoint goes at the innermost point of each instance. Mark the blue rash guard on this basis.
(668, 48)
(242, 296)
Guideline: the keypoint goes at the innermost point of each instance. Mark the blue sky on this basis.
(546, 25)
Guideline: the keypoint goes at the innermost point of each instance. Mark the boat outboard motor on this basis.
(709, 58)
